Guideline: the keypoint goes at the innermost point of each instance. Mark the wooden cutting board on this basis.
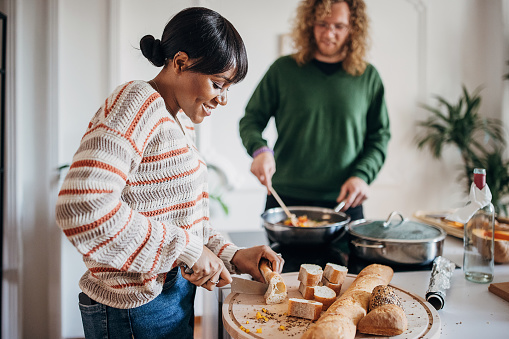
(434, 219)
(500, 289)
(239, 310)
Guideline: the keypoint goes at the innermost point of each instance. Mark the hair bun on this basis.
(152, 50)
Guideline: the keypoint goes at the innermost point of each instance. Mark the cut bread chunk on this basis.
(335, 287)
(276, 292)
(302, 308)
(386, 320)
(310, 274)
(308, 292)
(335, 273)
(325, 295)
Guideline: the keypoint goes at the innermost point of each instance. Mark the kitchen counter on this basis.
(470, 310)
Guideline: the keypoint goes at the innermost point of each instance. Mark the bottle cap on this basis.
(480, 178)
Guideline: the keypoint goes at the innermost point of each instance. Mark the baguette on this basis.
(310, 274)
(341, 319)
(303, 308)
(276, 292)
(335, 273)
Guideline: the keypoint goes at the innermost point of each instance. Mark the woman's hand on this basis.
(264, 167)
(354, 191)
(209, 271)
(247, 260)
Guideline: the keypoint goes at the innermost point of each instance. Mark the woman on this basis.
(135, 201)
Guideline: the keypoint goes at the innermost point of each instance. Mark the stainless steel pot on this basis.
(273, 219)
(400, 242)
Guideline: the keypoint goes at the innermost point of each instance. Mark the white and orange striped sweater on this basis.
(135, 201)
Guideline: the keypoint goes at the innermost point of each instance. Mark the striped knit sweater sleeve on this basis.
(135, 200)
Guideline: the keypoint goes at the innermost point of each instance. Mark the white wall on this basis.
(459, 42)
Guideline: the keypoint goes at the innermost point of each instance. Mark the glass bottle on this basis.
(479, 241)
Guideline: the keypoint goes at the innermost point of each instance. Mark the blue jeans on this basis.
(169, 315)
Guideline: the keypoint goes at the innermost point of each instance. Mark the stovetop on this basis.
(338, 253)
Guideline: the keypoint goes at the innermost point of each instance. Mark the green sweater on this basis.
(330, 127)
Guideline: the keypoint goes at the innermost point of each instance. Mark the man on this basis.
(329, 109)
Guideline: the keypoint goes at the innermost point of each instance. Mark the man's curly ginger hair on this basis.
(356, 45)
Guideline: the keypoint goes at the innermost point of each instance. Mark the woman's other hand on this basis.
(247, 260)
(264, 167)
(209, 271)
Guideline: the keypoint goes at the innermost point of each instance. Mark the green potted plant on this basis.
(480, 141)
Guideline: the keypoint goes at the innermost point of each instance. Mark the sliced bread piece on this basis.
(308, 292)
(335, 273)
(325, 295)
(335, 287)
(302, 308)
(310, 274)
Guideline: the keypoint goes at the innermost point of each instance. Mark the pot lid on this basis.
(396, 230)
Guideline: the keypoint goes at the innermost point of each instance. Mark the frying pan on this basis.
(273, 222)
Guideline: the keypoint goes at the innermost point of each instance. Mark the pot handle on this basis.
(358, 244)
(388, 221)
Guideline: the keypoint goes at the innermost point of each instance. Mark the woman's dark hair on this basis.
(204, 35)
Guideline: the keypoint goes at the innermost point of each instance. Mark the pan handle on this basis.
(340, 206)
(358, 244)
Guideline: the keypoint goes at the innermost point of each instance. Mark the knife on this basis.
(245, 286)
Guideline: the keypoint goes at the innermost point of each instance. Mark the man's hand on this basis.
(247, 260)
(264, 167)
(354, 191)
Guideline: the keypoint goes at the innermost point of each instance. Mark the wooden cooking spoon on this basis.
(292, 217)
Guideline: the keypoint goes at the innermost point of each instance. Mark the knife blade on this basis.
(245, 286)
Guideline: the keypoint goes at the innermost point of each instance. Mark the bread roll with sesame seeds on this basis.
(383, 295)
(341, 319)
(386, 316)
